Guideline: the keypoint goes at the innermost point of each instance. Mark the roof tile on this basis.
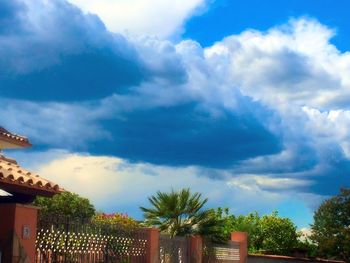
(18, 139)
(11, 172)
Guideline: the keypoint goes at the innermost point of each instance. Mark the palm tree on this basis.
(179, 213)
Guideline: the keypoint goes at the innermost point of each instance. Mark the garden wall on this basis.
(63, 240)
(283, 259)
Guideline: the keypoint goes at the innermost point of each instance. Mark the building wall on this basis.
(17, 232)
(7, 222)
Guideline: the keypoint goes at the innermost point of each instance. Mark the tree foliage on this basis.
(116, 220)
(331, 227)
(66, 204)
(180, 213)
(278, 235)
(307, 246)
(268, 234)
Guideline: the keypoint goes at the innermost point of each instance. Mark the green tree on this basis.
(226, 223)
(268, 234)
(66, 204)
(252, 225)
(331, 227)
(278, 235)
(181, 213)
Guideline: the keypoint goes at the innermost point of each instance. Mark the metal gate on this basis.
(221, 253)
(173, 249)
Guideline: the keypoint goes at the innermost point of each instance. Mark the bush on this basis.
(115, 220)
(65, 205)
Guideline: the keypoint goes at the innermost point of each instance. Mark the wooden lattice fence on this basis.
(61, 240)
(80, 241)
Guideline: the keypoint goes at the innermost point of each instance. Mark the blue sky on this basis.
(226, 17)
(244, 101)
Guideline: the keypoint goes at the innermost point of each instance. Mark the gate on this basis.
(173, 249)
(221, 253)
(80, 241)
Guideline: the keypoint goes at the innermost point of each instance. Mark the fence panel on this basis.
(173, 249)
(221, 253)
(80, 241)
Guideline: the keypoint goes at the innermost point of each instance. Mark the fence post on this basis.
(242, 238)
(153, 245)
(195, 250)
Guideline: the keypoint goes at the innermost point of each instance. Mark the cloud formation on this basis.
(294, 63)
(122, 186)
(45, 56)
(268, 109)
(162, 18)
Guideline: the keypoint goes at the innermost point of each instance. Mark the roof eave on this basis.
(14, 187)
(15, 143)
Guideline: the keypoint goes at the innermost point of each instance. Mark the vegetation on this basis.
(331, 228)
(115, 219)
(66, 204)
(268, 234)
(277, 234)
(181, 213)
(308, 246)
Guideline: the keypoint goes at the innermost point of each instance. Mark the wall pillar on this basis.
(242, 238)
(195, 249)
(153, 245)
(18, 225)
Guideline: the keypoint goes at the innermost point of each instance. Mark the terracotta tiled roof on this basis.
(14, 138)
(15, 177)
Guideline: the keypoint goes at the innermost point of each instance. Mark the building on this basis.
(19, 187)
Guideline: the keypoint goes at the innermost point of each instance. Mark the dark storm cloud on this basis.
(331, 173)
(94, 74)
(187, 135)
(53, 52)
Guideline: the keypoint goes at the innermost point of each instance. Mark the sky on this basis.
(243, 101)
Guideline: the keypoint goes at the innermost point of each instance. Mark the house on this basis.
(19, 187)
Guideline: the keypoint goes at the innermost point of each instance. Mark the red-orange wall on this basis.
(242, 238)
(13, 217)
(7, 222)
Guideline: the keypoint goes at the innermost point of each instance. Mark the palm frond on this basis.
(177, 212)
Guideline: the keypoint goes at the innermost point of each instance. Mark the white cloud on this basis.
(143, 17)
(292, 64)
(266, 183)
(332, 126)
(113, 184)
